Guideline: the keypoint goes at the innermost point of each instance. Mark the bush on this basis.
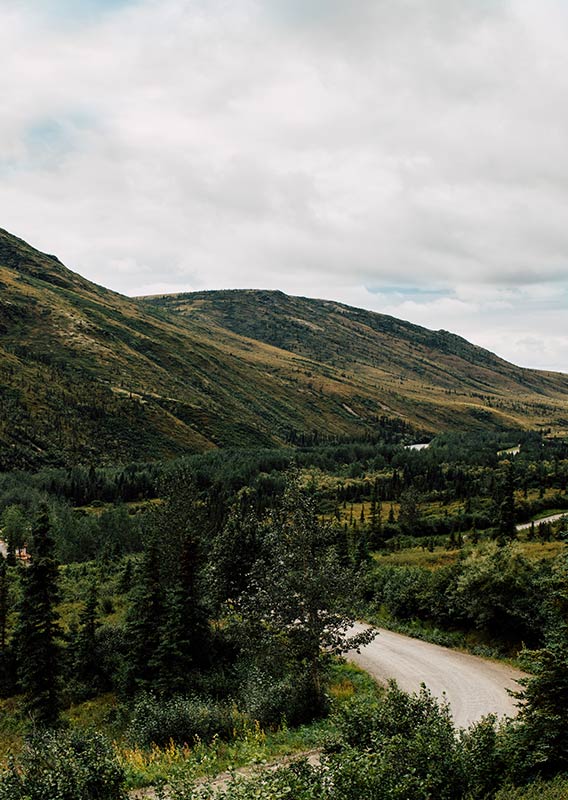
(403, 746)
(270, 700)
(62, 765)
(482, 757)
(181, 719)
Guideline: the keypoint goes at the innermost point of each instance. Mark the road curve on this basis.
(472, 686)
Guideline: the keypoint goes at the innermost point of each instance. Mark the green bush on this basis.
(62, 765)
(403, 746)
(270, 700)
(181, 719)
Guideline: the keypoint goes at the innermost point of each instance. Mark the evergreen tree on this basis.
(85, 664)
(6, 654)
(235, 549)
(37, 628)
(506, 528)
(14, 528)
(184, 642)
(3, 603)
(376, 525)
(409, 514)
(181, 526)
(539, 736)
(144, 620)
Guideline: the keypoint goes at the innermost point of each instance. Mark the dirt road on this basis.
(473, 686)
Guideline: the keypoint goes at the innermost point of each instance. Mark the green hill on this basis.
(435, 379)
(91, 376)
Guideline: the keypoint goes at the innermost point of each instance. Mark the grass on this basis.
(548, 513)
(441, 557)
(12, 727)
(419, 557)
(556, 789)
(537, 550)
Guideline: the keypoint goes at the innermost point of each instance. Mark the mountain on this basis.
(91, 376)
(434, 379)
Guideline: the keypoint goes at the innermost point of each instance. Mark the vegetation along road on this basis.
(537, 522)
(473, 686)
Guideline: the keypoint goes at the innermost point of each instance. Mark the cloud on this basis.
(321, 147)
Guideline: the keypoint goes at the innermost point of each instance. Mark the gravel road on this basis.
(473, 686)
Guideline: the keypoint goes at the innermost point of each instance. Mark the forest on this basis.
(164, 622)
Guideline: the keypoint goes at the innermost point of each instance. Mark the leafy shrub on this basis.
(482, 757)
(403, 746)
(62, 765)
(181, 719)
(270, 700)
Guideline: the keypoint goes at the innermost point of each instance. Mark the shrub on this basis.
(403, 746)
(299, 781)
(541, 790)
(62, 765)
(270, 700)
(181, 719)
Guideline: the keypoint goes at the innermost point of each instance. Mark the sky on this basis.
(403, 156)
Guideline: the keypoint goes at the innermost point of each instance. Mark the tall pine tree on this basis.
(184, 646)
(144, 621)
(37, 628)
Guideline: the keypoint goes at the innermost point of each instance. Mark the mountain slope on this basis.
(336, 334)
(87, 375)
(434, 378)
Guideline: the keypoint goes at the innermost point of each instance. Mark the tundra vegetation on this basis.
(162, 622)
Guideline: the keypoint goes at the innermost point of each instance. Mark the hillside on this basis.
(433, 378)
(339, 335)
(90, 376)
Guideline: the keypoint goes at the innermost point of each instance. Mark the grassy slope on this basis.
(434, 378)
(89, 375)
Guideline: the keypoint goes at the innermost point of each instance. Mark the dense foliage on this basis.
(213, 593)
(64, 765)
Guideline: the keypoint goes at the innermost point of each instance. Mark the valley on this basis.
(209, 502)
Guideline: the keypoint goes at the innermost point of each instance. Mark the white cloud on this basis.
(326, 148)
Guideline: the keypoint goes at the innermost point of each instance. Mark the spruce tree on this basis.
(184, 645)
(3, 603)
(37, 628)
(376, 526)
(506, 528)
(85, 662)
(6, 655)
(144, 621)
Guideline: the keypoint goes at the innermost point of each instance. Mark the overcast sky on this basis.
(407, 156)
